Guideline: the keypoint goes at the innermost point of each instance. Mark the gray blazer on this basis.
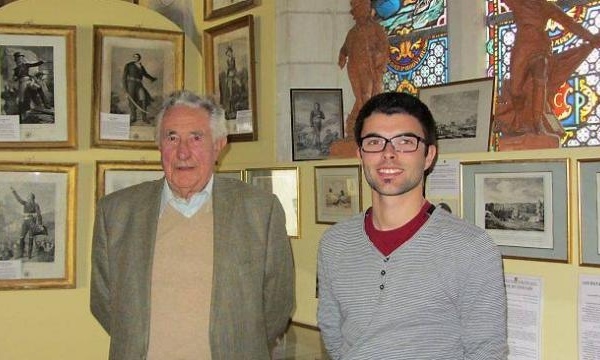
(253, 280)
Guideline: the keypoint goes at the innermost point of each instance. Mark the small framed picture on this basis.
(337, 193)
(317, 121)
(116, 175)
(589, 203)
(229, 64)
(463, 114)
(134, 69)
(521, 204)
(283, 182)
(38, 87)
(37, 225)
(218, 8)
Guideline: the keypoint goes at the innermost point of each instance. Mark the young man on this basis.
(407, 280)
(191, 266)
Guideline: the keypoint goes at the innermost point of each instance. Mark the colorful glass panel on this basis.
(576, 103)
(418, 37)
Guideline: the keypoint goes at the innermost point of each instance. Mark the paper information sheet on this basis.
(589, 317)
(524, 300)
(114, 126)
(10, 130)
(443, 182)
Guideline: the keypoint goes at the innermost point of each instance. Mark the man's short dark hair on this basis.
(389, 103)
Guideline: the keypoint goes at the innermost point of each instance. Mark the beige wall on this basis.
(57, 325)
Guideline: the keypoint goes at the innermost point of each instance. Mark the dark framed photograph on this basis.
(522, 204)
(134, 69)
(283, 182)
(116, 175)
(317, 121)
(37, 225)
(38, 90)
(589, 203)
(218, 8)
(229, 63)
(337, 193)
(463, 113)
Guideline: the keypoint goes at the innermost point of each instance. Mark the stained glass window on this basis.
(418, 37)
(576, 103)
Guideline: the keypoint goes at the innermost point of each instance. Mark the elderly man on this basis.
(191, 266)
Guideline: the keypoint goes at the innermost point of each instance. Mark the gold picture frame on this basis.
(115, 175)
(214, 9)
(284, 182)
(134, 69)
(230, 76)
(38, 87)
(37, 246)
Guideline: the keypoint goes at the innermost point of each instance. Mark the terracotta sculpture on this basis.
(536, 74)
(365, 54)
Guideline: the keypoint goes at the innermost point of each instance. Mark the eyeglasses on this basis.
(404, 143)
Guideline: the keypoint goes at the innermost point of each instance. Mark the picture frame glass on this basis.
(337, 193)
(37, 87)
(113, 176)
(317, 122)
(37, 226)
(283, 182)
(134, 70)
(521, 205)
(229, 50)
(463, 112)
(589, 211)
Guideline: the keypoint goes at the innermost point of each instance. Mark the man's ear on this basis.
(430, 158)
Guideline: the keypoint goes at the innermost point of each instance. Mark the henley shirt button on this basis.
(381, 286)
(382, 272)
(386, 259)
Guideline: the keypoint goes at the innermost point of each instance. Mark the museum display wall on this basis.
(54, 317)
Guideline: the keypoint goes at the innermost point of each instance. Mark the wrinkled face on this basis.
(187, 149)
(391, 173)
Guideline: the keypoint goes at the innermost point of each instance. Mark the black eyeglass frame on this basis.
(389, 141)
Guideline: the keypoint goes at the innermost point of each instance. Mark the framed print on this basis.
(38, 89)
(282, 182)
(134, 69)
(317, 121)
(463, 114)
(337, 193)
(229, 64)
(232, 174)
(523, 205)
(116, 175)
(589, 201)
(37, 225)
(218, 8)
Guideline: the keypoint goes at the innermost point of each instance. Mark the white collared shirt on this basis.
(186, 207)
